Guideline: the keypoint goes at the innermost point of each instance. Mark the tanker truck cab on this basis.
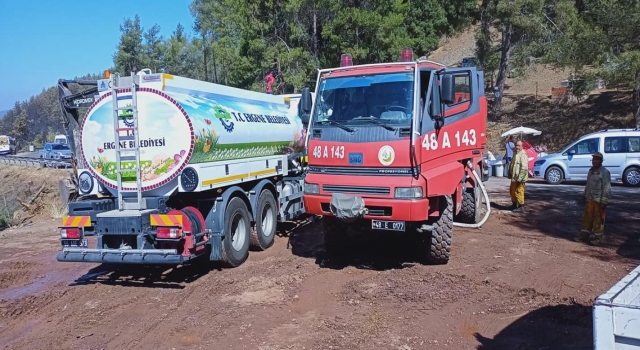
(393, 146)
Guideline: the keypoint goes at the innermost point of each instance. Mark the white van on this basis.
(61, 139)
(621, 150)
(7, 145)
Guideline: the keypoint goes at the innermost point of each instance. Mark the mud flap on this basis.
(215, 241)
(347, 208)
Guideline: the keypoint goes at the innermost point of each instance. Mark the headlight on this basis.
(408, 192)
(311, 188)
(539, 162)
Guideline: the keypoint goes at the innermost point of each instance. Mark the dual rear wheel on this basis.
(239, 236)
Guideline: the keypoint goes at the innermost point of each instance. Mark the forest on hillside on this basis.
(237, 42)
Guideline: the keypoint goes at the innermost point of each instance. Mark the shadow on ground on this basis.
(364, 250)
(562, 327)
(146, 276)
(557, 211)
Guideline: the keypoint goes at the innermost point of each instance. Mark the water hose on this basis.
(486, 199)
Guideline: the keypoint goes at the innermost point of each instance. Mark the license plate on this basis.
(387, 225)
(75, 243)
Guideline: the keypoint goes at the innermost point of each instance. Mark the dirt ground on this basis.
(519, 282)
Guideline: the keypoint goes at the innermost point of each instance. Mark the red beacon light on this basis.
(345, 60)
(406, 55)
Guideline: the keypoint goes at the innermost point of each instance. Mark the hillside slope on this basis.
(527, 102)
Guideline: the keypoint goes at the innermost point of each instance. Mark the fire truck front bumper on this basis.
(122, 256)
(377, 209)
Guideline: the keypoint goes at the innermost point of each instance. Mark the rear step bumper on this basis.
(122, 256)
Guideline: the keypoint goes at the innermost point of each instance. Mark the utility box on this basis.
(616, 315)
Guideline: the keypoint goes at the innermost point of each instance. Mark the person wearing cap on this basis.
(597, 192)
(519, 174)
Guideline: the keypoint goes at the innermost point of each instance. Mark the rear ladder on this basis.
(125, 121)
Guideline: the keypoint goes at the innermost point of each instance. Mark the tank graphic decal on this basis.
(179, 127)
(230, 128)
(166, 139)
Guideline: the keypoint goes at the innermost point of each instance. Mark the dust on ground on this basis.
(518, 282)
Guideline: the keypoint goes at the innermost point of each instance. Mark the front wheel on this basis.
(631, 177)
(440, 239)
(554, 175)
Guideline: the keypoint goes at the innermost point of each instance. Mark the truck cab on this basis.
(396, 147)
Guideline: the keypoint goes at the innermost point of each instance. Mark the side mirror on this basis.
(572, 151)
(304, 106)
(448, 89)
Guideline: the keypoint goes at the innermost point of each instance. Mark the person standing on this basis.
(509, 146)
(519, 174)
(597, 192)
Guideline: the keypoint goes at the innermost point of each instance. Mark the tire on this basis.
(266, 214)
(554, 175)
(235, 244)
(631, 177)
(471, 207)
(440, 237)
(335, 235)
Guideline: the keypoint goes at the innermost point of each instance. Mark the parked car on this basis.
(55, 151)
(621, 150)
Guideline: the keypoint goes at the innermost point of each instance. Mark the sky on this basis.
(43, 41)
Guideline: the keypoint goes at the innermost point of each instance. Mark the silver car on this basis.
(621, 150)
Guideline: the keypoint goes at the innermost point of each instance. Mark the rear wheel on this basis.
(441, 235)
(554, 175)
(235, 244)
(266, 218)
(471, 207)
(631, 177)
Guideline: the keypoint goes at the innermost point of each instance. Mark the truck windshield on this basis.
(354, 100)
(59, 147)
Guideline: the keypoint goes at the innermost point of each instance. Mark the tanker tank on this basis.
(183, 121)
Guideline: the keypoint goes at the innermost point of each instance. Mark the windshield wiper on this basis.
(376, 121)
(332, 122)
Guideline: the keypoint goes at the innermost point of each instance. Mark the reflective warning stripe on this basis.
(76, 221)
(165, 220)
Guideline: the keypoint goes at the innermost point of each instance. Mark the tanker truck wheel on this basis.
(266, 219)
(235, 244)
(440, 238)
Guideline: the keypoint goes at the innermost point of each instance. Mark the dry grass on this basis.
(560, 124)
(20, 185)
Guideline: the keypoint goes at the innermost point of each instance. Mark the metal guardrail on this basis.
(34, 162)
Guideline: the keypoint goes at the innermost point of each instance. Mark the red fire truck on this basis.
(396, 146)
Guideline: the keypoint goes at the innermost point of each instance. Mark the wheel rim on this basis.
(633, 177)
(554, 175)
(267, 220)
(238, 228)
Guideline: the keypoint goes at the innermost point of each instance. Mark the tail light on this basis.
(345, 60)
(70, 233)
(169, 232)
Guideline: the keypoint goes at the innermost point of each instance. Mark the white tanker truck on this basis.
(185, 168)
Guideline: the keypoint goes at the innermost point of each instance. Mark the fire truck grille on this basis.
(357, 189)
(360, 171)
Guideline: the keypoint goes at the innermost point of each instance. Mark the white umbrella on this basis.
(522, 131)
